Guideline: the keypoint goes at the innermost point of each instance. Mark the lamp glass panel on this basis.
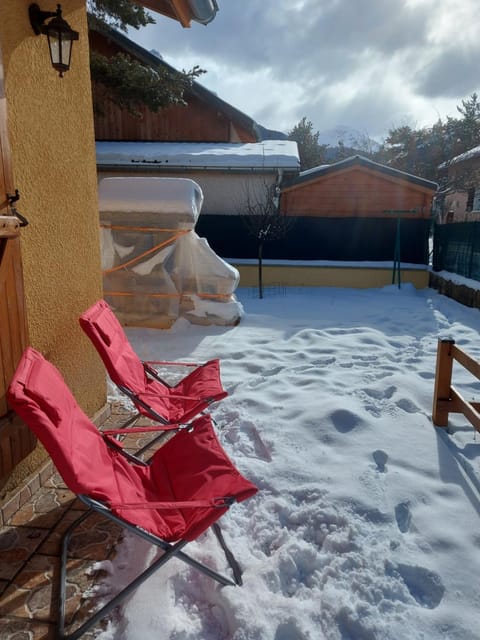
(65, 50)
(54, 43)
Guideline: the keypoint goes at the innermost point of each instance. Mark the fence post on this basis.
(443, 381)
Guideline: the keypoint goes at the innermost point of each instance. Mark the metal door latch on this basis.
(11, 201)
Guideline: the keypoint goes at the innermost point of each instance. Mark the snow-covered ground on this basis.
(366, 525)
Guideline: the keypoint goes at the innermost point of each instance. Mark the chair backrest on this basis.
(105, 331)
(40, 396)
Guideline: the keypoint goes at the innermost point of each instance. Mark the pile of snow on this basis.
(366, 525)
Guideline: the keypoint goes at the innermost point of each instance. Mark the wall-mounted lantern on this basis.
(59, 33)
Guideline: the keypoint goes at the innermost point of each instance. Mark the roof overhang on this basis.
(269, 156)
(184, 11)
(470, 154)
(359, 161)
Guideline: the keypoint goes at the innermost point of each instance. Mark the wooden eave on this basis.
(176, 9)
(369, 167)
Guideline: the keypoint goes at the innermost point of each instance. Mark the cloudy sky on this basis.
(364, 64)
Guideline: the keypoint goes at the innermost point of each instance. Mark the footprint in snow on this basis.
(381, 459)
(407, 405)
(425, 586)
(289, 631)
(344, 421)
(403, 516)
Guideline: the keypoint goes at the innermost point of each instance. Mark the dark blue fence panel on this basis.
(310, 238)
(456, 248)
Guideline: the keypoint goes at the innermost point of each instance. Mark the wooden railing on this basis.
(446, 398)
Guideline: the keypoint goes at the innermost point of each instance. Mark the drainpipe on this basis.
(203, 11)
(278, 189)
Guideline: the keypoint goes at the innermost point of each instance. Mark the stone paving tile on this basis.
(30, 540)
(95, 538)
(55, 481)
(17, 545)
(30, 594)
(44, 509)
(19, 629)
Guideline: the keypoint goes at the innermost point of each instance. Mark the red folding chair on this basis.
(187, 485)
(153, 397)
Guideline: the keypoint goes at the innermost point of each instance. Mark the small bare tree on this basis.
(260, 211)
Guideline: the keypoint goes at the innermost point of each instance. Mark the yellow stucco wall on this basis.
(289, 275)
(50, 124)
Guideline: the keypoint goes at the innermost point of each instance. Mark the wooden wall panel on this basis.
(16, 439)
(13, 332)
(355, 192)
(198, 121)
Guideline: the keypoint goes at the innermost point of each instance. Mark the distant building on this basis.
(459, 199)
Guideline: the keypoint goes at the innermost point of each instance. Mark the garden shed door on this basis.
(16, 440)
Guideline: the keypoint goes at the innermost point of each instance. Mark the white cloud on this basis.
(368, 65)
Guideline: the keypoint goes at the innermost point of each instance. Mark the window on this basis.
(470, 199)
(476, 200)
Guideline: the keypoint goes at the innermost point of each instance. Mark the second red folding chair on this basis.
(153, 397)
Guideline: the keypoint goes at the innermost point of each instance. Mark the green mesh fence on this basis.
(456, 248)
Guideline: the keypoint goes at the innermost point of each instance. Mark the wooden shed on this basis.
(350, 211)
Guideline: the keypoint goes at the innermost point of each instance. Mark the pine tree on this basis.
(312, 153)
(123, 80)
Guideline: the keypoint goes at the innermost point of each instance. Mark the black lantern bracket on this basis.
(38, 17)
(59, 33)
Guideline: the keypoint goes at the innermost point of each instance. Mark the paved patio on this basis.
(32, 523)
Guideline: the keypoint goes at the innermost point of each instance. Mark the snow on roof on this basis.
(467, 155)
(311, 174)
(178, 196)
(269, 154)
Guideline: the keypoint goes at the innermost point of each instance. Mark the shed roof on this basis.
(267, 155)
(325, 169)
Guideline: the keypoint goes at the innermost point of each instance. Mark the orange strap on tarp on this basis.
(115, 227)
(167, 295)
(144, 295)
(129, 263)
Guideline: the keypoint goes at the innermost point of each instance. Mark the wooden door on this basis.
(16, 440)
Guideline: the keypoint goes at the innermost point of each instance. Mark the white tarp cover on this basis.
(155, 267)
(166, 196)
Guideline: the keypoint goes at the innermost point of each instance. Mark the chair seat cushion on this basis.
(191, 466)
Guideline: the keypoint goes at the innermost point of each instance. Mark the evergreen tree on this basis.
(312, 153)
(125, 81)
(422, 151)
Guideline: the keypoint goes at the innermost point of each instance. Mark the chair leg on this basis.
(232, 561)
(149, 537)
(116, 600)
(170, 551)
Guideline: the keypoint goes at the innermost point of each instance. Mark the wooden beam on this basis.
(466, 408)
(466, 361)
(443, 381)
(9, 226)
(183, 12)
(176, 9)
